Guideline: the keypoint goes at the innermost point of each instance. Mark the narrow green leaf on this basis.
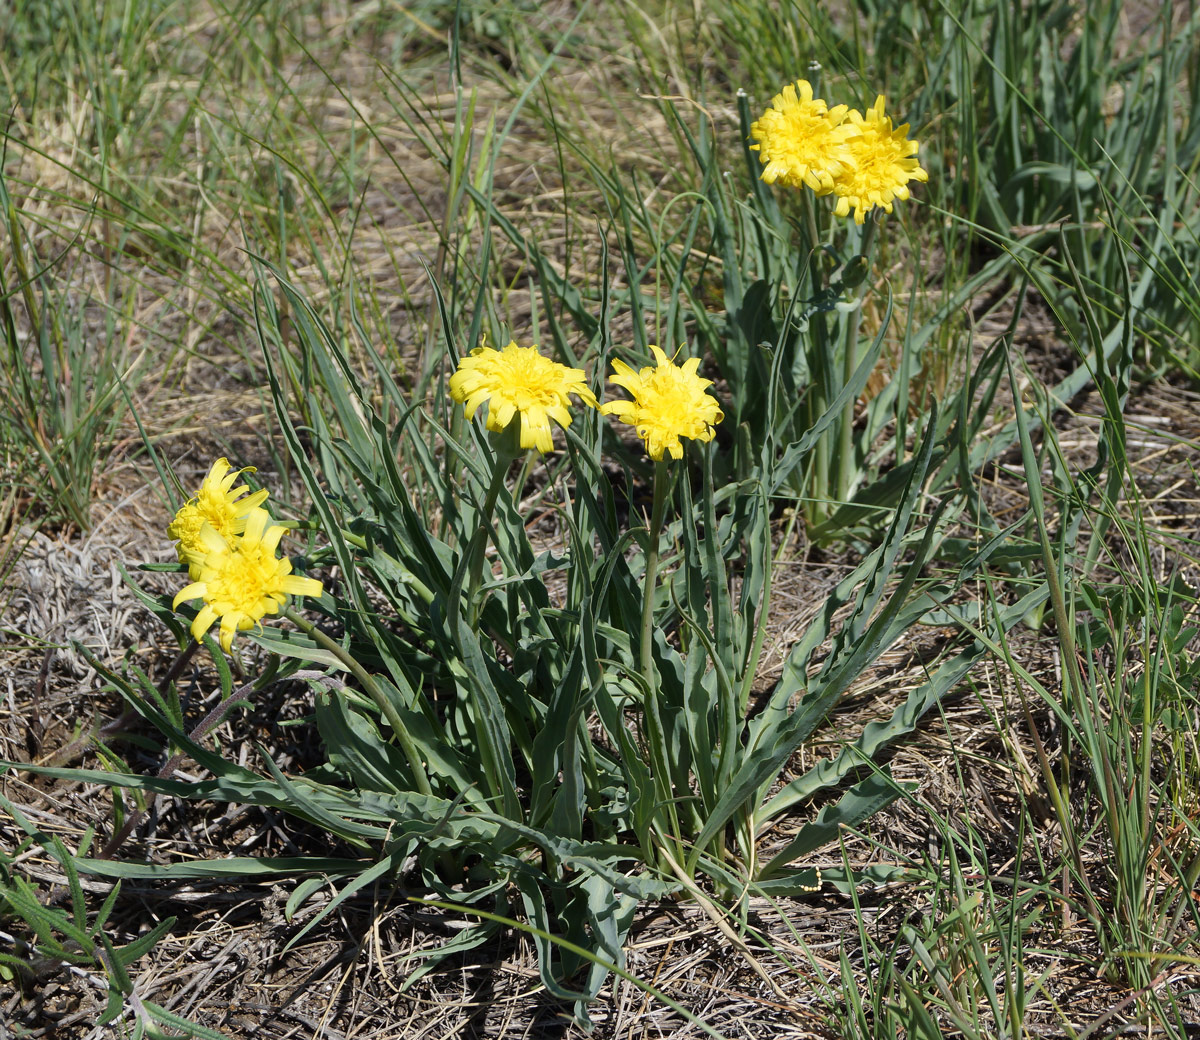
(250, 868)
(860, 803)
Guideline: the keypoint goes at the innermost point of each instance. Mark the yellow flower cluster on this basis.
(669, 400)
(861, 159)
(518, 381)
(229, 545)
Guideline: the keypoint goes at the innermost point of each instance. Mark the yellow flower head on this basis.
(240, 579)
(215, 504)
(519, 381)
(801, 141)
(669, 402)
(884, 161)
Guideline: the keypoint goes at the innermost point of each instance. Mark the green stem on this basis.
(474, 607)
(358, 541)
(367, 681)
(846, 466)
(819, 362)
(662, 479)
(655, 731)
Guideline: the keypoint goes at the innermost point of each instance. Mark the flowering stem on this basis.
(822, 390)
(662, 479)
(357, 540)
(846, 466)
(475, 608)
(382, 701)
(178, 665)
(655, 732)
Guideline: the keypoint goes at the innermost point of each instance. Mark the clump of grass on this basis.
(62, 367)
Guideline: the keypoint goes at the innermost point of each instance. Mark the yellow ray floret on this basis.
(669, 402)
(240, 579)
(800, 141)
(519, 381)
(216, 504)
(884, 160)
